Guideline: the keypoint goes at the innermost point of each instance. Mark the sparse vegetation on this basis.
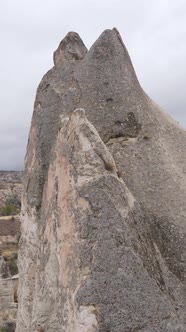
(8, 327)
(13, 267)
(4, 329)
(10, 266)
(9, 209)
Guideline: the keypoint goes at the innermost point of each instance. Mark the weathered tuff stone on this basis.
(71, 48)
(103, 209)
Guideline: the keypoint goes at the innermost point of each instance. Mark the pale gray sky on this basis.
(153, 31)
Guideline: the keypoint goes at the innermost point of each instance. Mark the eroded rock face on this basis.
(71, 48)
(103, 209)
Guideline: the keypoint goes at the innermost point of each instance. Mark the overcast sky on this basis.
(30, 30)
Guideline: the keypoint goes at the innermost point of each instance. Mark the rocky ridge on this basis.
(103, 210)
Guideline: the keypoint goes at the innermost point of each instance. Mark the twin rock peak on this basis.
(103, 207)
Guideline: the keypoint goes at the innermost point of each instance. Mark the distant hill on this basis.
(10, 204)
(10, 188)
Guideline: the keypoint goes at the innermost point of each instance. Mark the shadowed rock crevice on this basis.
(127, 129)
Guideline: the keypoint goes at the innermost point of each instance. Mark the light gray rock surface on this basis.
(103, 208)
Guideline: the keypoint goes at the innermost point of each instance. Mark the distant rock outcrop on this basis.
(103, 209)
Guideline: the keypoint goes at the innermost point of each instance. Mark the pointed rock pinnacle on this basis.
(70, 48)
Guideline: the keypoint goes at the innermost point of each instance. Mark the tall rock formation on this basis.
(103, 209)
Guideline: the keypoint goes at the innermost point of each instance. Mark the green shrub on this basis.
(8, 210)
(8, 327)
(13, 268)
(3, 329)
